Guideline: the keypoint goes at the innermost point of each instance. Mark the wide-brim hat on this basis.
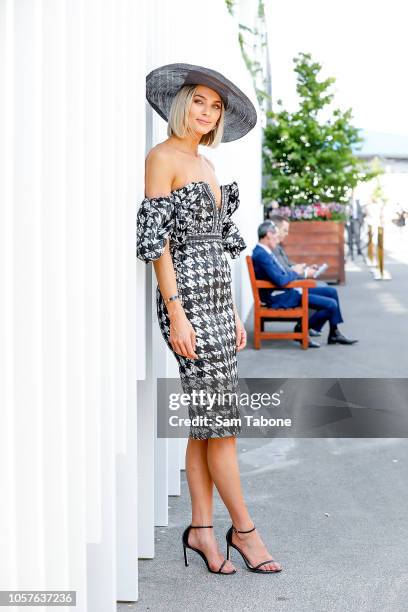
(164, 82)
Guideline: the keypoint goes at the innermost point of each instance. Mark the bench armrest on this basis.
(307, 282)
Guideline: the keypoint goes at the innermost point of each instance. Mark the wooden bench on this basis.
(262, 313)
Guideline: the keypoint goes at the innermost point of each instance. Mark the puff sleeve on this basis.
(154, 225)
(232, 239)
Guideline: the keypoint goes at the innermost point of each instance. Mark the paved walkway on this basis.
(332, 511)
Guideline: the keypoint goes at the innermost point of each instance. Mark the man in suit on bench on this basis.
(283, 227)
(324, 300)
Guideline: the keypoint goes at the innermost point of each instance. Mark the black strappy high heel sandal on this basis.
(200, 552)
(251, 569)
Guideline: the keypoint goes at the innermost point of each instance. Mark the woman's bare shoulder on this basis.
(159, 152)
(159, 170)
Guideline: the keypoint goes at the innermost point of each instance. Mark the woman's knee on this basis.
(222, 443)
(197, 443)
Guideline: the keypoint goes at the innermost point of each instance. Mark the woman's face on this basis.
(205, 109)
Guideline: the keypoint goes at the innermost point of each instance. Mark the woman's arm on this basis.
(158, 181)
(240, 331)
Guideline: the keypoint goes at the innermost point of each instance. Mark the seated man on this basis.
(324, 300)
(282, 224)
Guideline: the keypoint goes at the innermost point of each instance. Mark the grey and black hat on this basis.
(164, 82)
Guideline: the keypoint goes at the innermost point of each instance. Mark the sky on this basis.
(363, 44)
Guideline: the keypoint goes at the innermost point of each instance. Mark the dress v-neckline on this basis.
(210, 191)
(217, 209)
(213, 195)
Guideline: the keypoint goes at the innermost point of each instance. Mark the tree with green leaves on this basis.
(308, 155)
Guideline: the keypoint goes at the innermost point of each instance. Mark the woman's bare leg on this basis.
(201, 488)
(224, 469)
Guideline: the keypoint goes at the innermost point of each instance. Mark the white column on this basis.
(129, 104)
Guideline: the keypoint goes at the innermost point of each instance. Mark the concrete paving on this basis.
(332, 511)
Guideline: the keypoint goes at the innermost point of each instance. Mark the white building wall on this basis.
(84, 479)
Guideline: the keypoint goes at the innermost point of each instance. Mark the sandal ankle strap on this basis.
(201, 526)
(249, 530)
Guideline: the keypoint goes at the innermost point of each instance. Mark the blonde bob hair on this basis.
(179, 113)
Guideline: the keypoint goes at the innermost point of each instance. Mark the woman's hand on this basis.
(182, 335)
(241, 336)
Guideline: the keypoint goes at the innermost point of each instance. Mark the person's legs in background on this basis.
(327, 309)
(328, 292)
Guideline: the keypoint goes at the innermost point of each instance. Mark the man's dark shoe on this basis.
(312, 343)
(338, 338)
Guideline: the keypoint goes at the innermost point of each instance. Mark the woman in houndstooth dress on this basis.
(201, 234)
(185, 226)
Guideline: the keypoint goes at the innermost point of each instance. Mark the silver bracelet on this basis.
(172, 298)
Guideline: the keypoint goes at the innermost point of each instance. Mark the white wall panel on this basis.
(51, 156)
(92, 263)
(129, 84)
(102, 552)
(146, 404)
(32, 393)
(8, 518)
(75, 290)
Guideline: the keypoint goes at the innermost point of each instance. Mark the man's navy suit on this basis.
(324, 300)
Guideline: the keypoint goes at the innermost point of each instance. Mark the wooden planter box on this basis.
(316, 242)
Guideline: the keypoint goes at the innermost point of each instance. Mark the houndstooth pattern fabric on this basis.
(200, 235)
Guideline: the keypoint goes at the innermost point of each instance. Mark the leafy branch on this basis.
(307, 159)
